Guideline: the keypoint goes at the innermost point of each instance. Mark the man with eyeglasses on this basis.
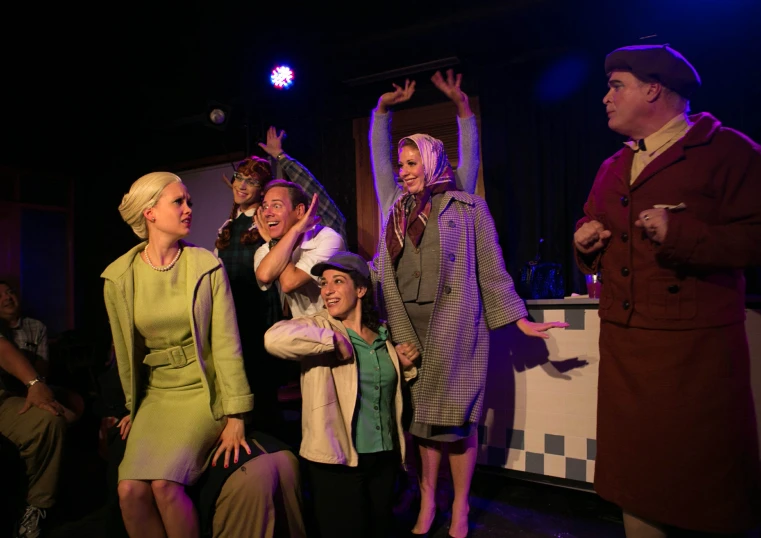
(237, 241)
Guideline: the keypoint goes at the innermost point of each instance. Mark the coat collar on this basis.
(333, 321)
(197, 265)
(704, 127)
(676, 127)
(460, 196)
(337, 323)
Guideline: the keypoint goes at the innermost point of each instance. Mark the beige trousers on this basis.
(39, 437)
(262, 499)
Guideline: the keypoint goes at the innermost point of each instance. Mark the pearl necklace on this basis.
(166, 267)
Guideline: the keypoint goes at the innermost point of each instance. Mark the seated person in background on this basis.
(296, 242)
(31, 337)
(257, 497)
(36, 425)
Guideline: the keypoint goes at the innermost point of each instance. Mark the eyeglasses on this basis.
(237, 176)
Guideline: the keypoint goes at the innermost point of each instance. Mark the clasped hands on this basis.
(592, 236)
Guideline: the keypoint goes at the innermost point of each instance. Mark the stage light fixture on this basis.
(282, 77)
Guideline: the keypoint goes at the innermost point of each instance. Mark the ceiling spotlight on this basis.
(217, 116)
(282, 77)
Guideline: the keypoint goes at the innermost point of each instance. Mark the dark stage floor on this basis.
(501, 506)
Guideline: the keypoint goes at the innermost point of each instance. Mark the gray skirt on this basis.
(443, 434)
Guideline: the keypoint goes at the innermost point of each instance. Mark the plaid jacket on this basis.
(327, 209)
(475, 294)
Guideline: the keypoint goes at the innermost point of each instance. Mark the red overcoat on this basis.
(677, 440)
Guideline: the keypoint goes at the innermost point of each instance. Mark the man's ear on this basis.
(301, 210)
(654, 91)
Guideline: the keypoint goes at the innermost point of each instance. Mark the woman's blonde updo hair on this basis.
(144, 194)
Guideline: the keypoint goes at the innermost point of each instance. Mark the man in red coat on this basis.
(672, 220)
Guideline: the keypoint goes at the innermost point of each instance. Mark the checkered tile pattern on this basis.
(572, 458)
(540, 412)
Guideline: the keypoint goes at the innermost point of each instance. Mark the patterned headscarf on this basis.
(409, 215)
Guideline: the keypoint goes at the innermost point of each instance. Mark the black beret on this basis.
(655, 63)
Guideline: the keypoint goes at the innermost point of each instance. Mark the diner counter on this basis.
(540, 406)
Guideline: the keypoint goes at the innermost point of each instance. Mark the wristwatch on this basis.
(280, 156)
(34, 381)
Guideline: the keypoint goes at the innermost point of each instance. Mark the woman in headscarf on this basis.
(442, 284)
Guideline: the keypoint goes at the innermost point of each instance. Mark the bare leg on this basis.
(141, 517)
(176, 508)
(430, 459)
(639, 528)
(462, 461)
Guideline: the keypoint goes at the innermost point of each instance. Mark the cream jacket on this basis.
(329, 386)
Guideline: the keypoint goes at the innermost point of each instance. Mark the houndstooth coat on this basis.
(475, 293)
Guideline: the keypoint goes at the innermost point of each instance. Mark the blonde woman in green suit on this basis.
(179, 358)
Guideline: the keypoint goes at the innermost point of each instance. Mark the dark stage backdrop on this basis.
(543, 136)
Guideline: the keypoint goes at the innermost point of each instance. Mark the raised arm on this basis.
(327, 209)
(383, 163)
(466, 175)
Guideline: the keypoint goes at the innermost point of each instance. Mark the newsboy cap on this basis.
(343, 261)
(656, 63)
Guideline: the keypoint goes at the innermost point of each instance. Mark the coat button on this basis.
(417, 251)
(626, 305)
(451, 224)
(674, 288)
(451, 257)
(624, 237)
(624, 201)
(625, 271)
(416, 274)
(447, 290)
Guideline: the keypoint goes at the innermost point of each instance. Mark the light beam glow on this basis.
(282, 77)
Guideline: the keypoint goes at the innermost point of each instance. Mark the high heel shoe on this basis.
(431, 526)
(422, 535)
(449, 533)
(426, 533)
